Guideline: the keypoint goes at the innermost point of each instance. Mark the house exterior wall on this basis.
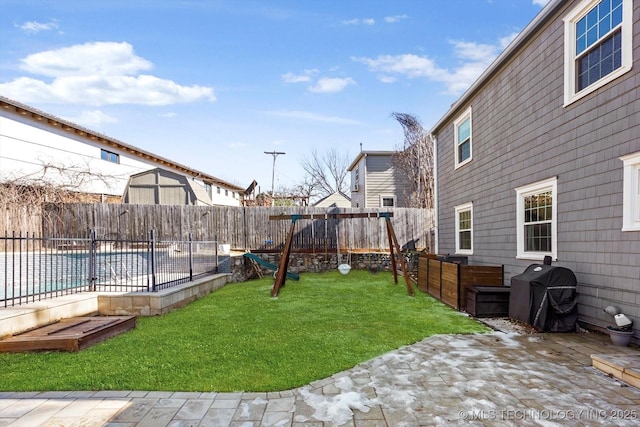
(522, 134)
(358, 183)
(377, 178)
(27, 145)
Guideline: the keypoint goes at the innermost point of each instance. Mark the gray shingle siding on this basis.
(522, 134)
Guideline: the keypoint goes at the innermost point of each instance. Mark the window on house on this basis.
(207, 187)
(631, 195)
(356, 178)
(109, 156)
(218, 190)
(464, 228)
(462, 135)
(226, 193)
(598, 47)
(387, 201)
(536, 213)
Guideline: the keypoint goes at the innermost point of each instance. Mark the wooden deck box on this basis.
(488, 301)
(449, 281)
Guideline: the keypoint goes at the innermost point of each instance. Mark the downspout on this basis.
(434, 141)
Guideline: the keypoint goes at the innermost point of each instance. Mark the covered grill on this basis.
(544, 296)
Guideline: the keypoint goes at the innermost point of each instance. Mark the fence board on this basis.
(242, 227)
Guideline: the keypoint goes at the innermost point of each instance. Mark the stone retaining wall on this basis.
(242, 268)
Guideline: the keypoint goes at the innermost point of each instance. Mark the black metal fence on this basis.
(33, 268)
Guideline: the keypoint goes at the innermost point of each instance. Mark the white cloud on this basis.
(36, 27)
(313, 117)
(89, 59)
(97, 73)
(92, 118)
(331, 84)
(541, 3)
(394, 19)
(305, 77)
(473, 58)
(169, 115)
(359, 21)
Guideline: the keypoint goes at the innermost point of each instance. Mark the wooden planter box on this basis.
(449, 281)
(488, 301)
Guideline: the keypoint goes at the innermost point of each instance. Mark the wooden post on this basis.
(393, 243)
(281, 275)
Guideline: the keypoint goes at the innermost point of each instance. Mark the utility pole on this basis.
(273, 171)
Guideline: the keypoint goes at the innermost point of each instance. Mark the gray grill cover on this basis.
(545, 296)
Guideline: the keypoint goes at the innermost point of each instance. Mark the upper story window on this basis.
(464, 228)
(208, 188)
(218, 190)
(598, 46)
(631, 195)
(462, 134)
(109, 156)
(536, 219)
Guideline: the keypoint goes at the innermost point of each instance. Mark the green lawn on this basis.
(240, 339)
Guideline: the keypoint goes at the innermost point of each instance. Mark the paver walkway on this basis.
(491, 379)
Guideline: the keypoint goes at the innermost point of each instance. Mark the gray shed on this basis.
(163, 187)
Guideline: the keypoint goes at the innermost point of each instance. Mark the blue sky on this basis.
(214, 84)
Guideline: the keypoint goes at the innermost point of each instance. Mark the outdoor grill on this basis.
(544, 296)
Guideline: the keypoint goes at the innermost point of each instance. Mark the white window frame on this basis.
(550, 184)
(383, 196)
(570, 94)
(631, 192)
(461, 119)
(467, 207)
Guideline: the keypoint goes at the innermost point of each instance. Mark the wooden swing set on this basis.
(394, 248)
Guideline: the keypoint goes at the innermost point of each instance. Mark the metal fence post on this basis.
(190, 258)
(152, 242)
(216, 252)
(93, 249)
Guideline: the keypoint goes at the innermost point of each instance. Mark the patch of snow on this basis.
(337, 408)
(509, 339)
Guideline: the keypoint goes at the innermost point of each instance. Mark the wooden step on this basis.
(72, 334)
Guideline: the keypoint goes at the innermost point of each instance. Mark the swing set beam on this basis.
(396, 254)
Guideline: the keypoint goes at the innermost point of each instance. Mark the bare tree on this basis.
(23, 196)
(326, 172)
(416, 160)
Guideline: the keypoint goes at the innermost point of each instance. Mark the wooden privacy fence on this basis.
(449, 281)
(245, 228)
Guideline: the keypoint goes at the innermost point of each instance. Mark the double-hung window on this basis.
(462, 136)
(464, 229)
(598, 45)
(536, 220)
(631, 196)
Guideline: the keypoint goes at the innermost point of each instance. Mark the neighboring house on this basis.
(541, 156)
(38, 146)
(162, 187)
(376, 182)
(334, 200)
